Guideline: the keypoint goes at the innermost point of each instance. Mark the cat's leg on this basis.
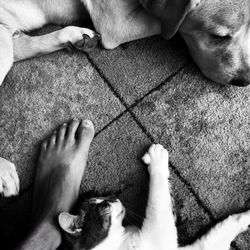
(9, 181)
(59, 173)
(71, 36)
(223, 233)
(159, 228)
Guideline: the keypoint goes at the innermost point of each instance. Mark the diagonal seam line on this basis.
(111, 122)
(161, 85)
(128, 108)
(178, 174)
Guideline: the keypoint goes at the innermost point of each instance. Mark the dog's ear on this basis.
(171, 13)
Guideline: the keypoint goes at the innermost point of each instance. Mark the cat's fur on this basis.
(98, 226)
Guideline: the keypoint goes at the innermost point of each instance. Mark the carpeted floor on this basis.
(142, 92)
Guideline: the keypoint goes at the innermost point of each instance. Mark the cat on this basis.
(98, 225)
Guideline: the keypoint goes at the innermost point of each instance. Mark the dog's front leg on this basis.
(34, 46)
(6, 52)
(121, 21)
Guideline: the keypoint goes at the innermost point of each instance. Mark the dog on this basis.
(216, 31)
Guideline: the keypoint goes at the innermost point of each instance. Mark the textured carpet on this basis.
(142, 92)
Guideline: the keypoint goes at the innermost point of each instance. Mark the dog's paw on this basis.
(9, 181)
(87, 44)
(79, 38)
(157, 159)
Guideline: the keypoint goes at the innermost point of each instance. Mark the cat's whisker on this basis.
(133, 214)
(105, 213)
(128, 221)
(131, 209)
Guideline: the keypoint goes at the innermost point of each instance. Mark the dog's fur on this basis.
(218, 36)
(215, 31)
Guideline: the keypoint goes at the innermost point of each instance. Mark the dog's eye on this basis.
(220, 38)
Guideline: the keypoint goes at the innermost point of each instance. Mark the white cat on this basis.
(98, 226)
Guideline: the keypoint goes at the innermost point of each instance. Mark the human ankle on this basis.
(49, 232)
(42, 236)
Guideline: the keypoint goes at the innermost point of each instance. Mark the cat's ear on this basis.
(69, 223)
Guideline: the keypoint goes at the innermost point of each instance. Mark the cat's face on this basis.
(97, 220)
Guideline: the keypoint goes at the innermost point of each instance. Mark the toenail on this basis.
(98, 35)
(87, 123)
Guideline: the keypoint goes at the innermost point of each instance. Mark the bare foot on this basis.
(60, 170)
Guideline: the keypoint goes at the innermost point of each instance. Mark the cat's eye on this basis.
(112, 198)
(92, 200)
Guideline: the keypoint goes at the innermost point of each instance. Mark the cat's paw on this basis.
(157, 159)
(9, 181)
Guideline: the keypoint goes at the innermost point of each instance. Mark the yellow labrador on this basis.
(216, 31)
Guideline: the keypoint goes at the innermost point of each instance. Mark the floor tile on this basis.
(42, 93)
(206, 128)
(135, 68)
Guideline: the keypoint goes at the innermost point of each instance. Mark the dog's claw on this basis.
(87, 44)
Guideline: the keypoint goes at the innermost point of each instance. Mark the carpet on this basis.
(142, 92)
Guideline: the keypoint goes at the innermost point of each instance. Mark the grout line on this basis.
(178, 174)
(101, 74)
(111, 122)
(128, 108)
(192, 191)
(161, 85)
(141, 126)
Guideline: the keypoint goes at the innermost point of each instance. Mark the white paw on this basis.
(9, 181)
(79, 38)
(157, 159)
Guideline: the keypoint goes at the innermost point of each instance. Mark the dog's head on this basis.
(217, 33)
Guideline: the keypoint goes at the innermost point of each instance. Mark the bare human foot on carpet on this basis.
(60, 169)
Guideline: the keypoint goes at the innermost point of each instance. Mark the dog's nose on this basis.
(239, 82)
